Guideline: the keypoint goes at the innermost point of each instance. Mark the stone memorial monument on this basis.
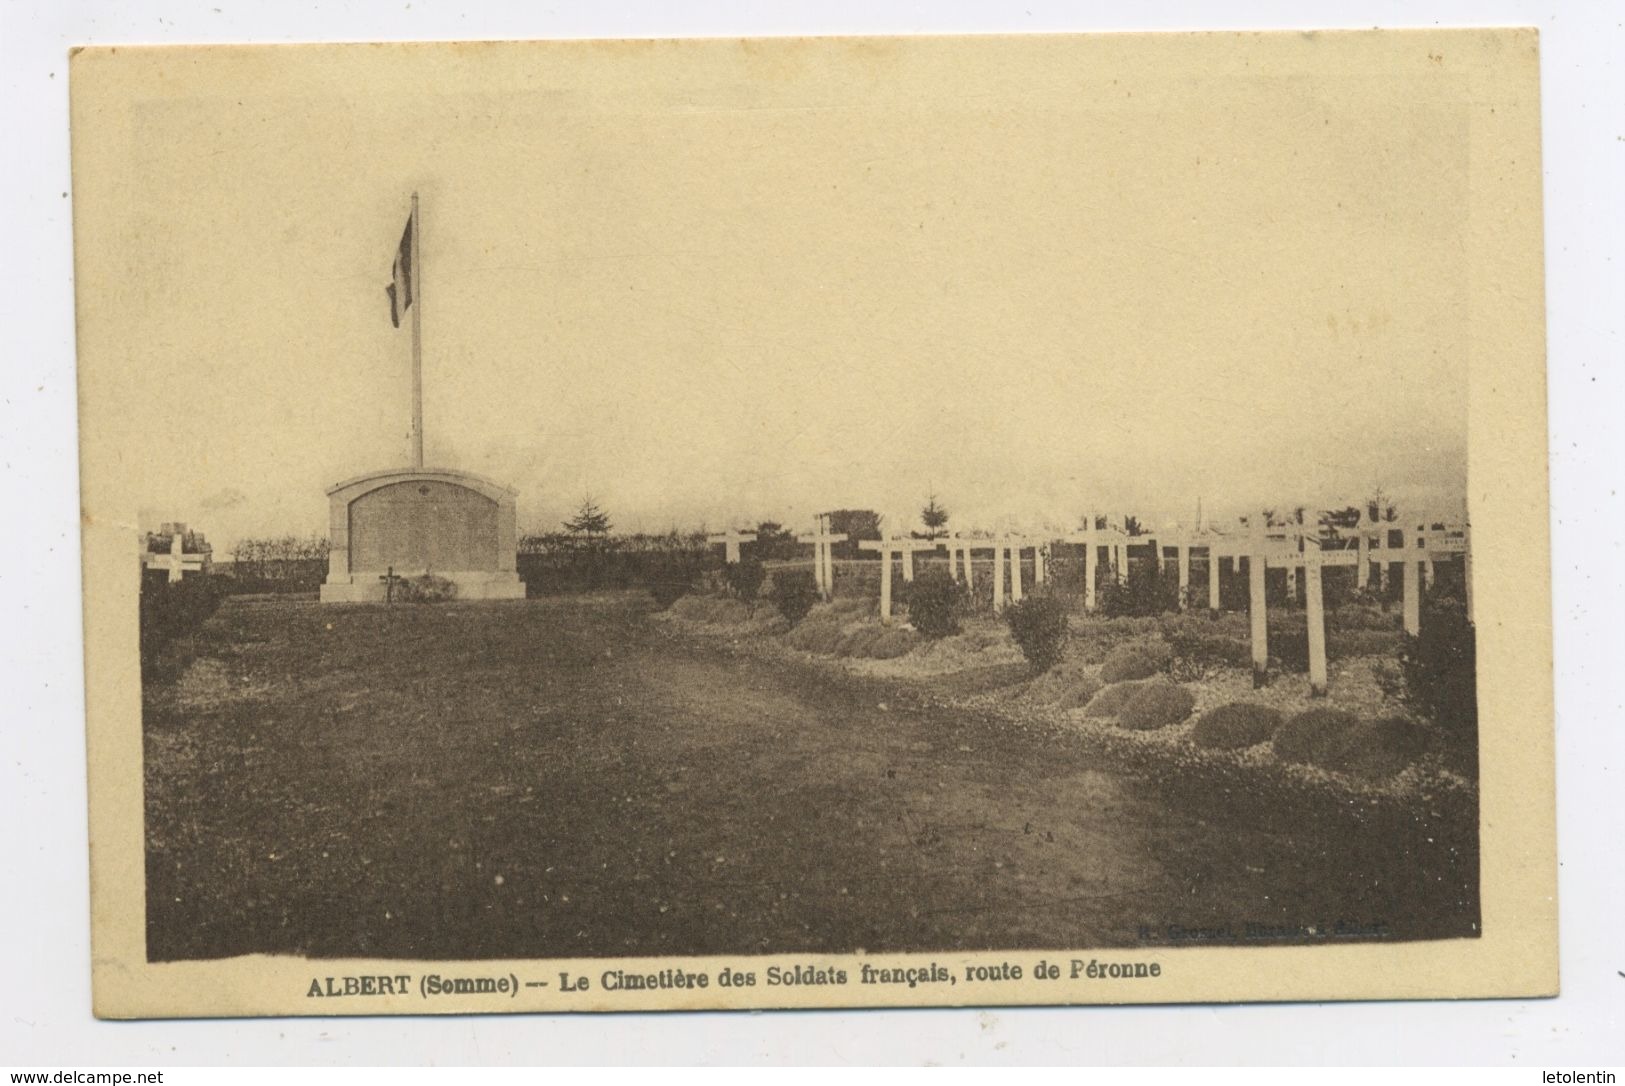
(407, 522)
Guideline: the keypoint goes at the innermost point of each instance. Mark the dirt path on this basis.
(556, 778)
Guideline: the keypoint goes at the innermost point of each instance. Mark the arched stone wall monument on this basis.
(453, 524)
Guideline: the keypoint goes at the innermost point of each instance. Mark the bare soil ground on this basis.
(563, 776)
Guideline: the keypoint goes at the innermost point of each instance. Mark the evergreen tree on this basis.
(935, 518)
(589, 519)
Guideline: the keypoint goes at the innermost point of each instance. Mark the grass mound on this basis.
(876, 642)
(1138, 660)
(1381, 748)
(1342, 742)
(1110, 701)
(1314, 737)
(1081, 692)
(1235, 726)
(748, 618)
(1209, 640)
(1068, 685)
(1156, 705)
(845, 628)
(893, 643)
(712, 610)
(820, 631)
(1093, 637)
(857, 640)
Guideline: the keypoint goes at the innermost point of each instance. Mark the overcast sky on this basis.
(766, 285)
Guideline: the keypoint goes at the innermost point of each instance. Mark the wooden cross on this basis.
(1039, 543)
(730, 541)
(389, 580)
(1000, 547)
(1417, 545)
(1184, 541)
(177, 563)
(960, 548)
(823, 541)
(1258, 546)
(1455, 539)
(1372, 540)
(1093, 538)
(887, 548)
(1220, 547)
(1307, 552)
(1014, 545)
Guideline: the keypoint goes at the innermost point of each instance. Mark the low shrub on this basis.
(1235, 726)
(1156, 705)
(744, 578)
(1137, 660)
(1110, 701)
(935, 602)
(1147, 590)
(794, 592)
(427, 589)
(1038, 624)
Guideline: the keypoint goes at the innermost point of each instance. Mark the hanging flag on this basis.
(400, 291)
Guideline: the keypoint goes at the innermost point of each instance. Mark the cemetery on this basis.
(625, 753)
(1158, 631)
(427, 733)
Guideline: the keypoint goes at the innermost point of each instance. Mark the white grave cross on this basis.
(888, 548)
(823, 541)
(730, 541)
(1093, 538)
(175, 562)
(1312, 558)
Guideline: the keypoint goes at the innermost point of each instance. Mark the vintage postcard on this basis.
(626, 525)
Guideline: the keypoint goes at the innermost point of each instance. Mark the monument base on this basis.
(368, 587)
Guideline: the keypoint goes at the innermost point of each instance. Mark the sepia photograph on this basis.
(628, 525)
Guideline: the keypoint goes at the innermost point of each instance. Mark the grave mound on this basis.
(1235, 726)
(1157, 704)
(1136, 660)
(1110, 701)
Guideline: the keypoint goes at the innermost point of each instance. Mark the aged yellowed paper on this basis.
(808, 522)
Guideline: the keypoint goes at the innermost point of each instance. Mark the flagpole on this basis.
(417, 341)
